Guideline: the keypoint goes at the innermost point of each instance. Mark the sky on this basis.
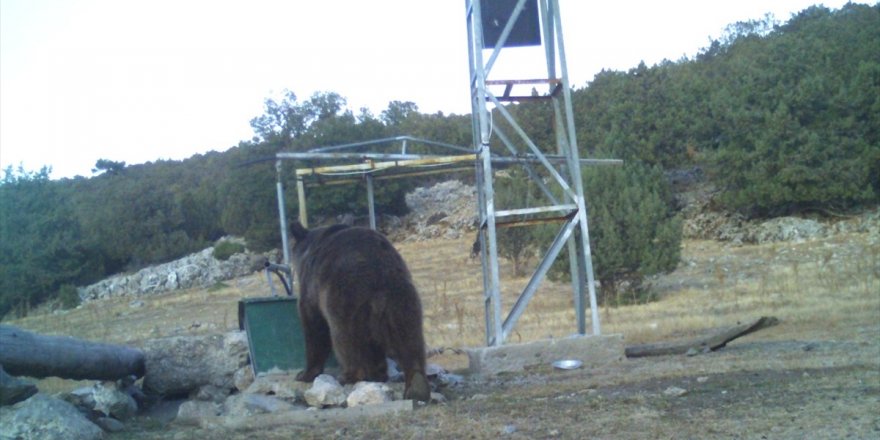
(143, 80)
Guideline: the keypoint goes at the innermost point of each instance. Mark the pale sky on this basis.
(141, 80)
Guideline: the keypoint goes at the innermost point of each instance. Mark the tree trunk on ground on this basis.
(29, 354)
(708, 343)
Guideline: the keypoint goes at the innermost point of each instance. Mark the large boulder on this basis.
(46, 418)
(181, 365)
(13, 389)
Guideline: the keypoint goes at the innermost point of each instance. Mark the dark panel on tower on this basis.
(526, 30)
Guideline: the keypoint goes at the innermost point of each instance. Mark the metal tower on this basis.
(493, 26)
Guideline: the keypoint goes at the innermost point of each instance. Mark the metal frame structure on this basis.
(571, 208)
(373, 165)
(562, 170)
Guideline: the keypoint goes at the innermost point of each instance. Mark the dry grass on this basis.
(815, 284)
(816, 288)
(825, 292)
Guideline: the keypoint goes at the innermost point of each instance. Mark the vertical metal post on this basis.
(575, 169)
(370, 205)
(282, 214)
(480, 115)
(301, 195)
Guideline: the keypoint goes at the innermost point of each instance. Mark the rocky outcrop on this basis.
(200, 269)
(710, 225)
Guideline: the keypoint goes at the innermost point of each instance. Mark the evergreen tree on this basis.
(634, 231)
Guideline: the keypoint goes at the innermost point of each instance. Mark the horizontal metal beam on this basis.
(402, 159)
(389, 140)
(536, 210)
(371, 166)
(319, 181)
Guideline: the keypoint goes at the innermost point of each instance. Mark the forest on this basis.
(783, 118)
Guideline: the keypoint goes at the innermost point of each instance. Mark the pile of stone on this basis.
(444, 210)
(209, 380)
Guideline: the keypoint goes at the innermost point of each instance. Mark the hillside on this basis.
(781, 118)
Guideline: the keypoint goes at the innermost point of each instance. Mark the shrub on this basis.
(225, 249)
(634, 232)
(68, 296)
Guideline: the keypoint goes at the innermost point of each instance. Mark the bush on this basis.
(634, 231)
(515, 243)
(68, 296)
(225, 249)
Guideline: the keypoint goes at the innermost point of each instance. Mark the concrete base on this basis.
(593, 351)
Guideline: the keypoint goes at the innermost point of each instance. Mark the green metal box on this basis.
(274, 333)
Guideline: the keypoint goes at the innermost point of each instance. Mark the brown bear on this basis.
(357, 297)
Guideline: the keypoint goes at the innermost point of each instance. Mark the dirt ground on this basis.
(815, 375)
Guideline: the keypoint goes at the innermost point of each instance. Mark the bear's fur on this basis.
(357, 297)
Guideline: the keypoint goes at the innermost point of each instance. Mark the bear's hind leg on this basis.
(318, 346)
(417, 387)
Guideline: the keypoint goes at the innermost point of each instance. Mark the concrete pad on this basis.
(593, 351)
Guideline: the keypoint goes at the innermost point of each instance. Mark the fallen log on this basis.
(709, 343)
(24, 353)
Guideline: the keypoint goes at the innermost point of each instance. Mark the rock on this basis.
(325, 391)
(109, 424)
(674, 391)
(243, 378)
(13, 389)
(788, 229)
(810, 346)
(211, 393)
(437, 397)
(368, 393)
(104, 399)
(443, 380)
(112, 402)
(281, 385)
(192, 412)
(248, 404)
(84, 400)
(46, 418)
(180, 365)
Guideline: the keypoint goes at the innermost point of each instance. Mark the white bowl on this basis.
(568, 364)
